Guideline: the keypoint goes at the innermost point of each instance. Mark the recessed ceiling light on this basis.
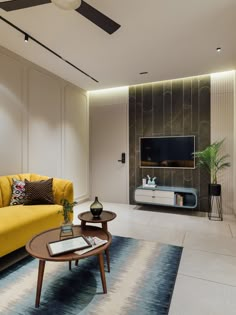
(144, 72)
(218, 49)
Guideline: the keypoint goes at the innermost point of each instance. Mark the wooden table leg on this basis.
(70, 265)
(76, 262)
(40, 281)
(83, 224)
(102, 272)
(108, 259)
(104, 226)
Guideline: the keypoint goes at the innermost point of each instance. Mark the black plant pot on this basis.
(214, 189)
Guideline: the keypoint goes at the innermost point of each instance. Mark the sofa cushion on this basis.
(18, 224)
(18, 192)
(39, 192)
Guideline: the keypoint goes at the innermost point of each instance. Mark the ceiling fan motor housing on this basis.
(67, 4)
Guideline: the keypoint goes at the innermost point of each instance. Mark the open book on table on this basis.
(95, 241)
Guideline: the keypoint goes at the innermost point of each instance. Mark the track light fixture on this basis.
(44, 46)
(26, 38)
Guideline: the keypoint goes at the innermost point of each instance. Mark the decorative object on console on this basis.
(67, 226)
(96, 208)
(213, 161)
(151, 182)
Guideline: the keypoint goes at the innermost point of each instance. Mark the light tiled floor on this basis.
(206, 281)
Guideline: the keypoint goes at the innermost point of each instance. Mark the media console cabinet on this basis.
(180, 197)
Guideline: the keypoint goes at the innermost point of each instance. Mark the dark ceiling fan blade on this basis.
(21, 4)
(98, 18)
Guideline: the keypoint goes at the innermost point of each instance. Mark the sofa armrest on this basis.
(62, 189)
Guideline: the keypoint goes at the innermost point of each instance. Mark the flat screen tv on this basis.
(167, 152)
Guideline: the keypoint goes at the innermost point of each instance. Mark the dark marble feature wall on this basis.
(177, 107)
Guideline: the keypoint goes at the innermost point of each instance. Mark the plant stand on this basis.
(215, 208)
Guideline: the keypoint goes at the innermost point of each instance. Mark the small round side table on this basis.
(106, 216)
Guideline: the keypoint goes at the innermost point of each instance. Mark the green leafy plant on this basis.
(67, 209)
(212, 160)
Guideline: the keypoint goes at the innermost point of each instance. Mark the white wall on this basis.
(222, 126)
(43, 124)
(108, 139)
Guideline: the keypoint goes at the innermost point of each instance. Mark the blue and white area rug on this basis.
(141, 282)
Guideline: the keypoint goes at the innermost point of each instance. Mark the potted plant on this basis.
(212, 161)
(67, 210)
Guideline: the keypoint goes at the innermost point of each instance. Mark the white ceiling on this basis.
(168, 38)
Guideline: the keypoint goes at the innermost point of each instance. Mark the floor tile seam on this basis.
(228, 235)
(207, 234)
(156, 226)
(206, 251)
(184, 237)
(206, 280)
(231, 230)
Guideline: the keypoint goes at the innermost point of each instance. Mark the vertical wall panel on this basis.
(234, 156)
(41, 130)
(176, 107)
(222, 126)
(76, 141)
(44, 138)
(12, 111)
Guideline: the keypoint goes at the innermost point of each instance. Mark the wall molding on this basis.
(53, 100)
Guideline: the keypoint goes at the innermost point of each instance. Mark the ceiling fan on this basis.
(80, 6)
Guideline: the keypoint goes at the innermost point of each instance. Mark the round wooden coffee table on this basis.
(37, 247)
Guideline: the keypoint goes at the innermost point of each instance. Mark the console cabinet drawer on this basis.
(156, 193)
(164, 201)
(146, 199)
(164, 194)
(143, 192)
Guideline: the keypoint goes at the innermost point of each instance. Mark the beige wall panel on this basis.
(222, 126)
(12, 111)
(44, 125)
(76, 141)
(234, 159)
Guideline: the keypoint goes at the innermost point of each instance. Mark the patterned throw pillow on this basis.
(18, 192)
(39, 192)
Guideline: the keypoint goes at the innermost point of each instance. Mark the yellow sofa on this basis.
(19, 223)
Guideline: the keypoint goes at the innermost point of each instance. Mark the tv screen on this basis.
(167, 152)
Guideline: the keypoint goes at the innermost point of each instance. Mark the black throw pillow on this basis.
(39, 192)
